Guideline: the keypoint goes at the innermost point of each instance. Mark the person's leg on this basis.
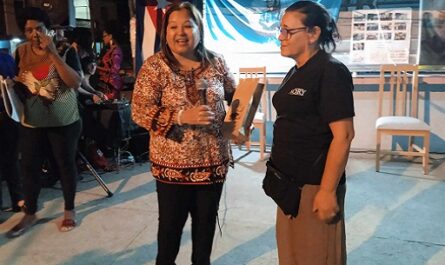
(63, 141)
(9, 160)
(173, 203)
(305, 240)
(31, 145)
(13, 178)
(204, 213)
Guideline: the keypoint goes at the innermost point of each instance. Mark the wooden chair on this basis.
(401, 115)
(259, 121)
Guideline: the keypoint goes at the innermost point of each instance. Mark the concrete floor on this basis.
(395, 217)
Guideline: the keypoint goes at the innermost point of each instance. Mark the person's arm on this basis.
(146, 109)
(88, 90)
(68, 75)
(116, 60)
(87, 86)
(325, 202)
(114, 66)
(229, 82)
(337, 110)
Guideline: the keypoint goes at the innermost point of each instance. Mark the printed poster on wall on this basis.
(380, 36)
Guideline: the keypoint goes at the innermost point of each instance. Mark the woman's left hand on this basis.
(325, 205)
(46, 43)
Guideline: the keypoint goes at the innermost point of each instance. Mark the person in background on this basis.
(47, 84)
(312, 136)
(9, 167)
(432, 49)
(82, 43)
(110, 82)
(189, 154)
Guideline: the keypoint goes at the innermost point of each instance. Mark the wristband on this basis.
(179, 117)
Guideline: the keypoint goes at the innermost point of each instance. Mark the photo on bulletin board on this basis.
(432, 43)
(380, 36)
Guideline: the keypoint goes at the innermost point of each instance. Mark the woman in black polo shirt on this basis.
(312, 136)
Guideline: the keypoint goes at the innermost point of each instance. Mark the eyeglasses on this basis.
(287, 33)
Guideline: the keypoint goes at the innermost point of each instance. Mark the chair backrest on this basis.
(257, 72)
(403, 90)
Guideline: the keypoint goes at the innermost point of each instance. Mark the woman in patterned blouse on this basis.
(109, 65)
(188, 152)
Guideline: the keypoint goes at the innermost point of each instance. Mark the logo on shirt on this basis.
(297, 92)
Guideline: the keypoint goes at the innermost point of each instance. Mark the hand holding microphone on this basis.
(201, 115)
(202, 91)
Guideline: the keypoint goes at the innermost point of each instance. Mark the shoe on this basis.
(68, 225)
(16, 209)
(23, 226)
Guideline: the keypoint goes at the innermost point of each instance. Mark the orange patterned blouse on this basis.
(183, 154)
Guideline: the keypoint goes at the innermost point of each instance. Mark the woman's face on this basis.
(33, 30)
(182, 34)
(107, 37)
(92, 68)
(294, 36)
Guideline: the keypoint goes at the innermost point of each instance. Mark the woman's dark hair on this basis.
(317, 16)
(112, 27)
(33, 13)
(206, 56)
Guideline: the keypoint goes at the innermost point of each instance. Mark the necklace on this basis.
(190, 77)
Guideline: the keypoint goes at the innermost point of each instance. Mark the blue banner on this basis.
(252, 21)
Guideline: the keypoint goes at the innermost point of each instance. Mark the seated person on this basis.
(86, 89)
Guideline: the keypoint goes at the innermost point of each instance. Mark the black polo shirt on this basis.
(309, 98)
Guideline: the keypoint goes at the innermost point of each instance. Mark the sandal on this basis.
(20, 228)
(68, 225)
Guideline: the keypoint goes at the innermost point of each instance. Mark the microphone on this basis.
(202, 91)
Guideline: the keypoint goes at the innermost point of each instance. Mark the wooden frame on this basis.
(259, 117)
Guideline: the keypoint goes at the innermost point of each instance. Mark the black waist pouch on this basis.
(282, 189)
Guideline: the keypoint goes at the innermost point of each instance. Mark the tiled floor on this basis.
(393, 218)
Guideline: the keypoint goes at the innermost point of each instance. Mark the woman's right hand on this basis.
(201, 115)
(97, 99)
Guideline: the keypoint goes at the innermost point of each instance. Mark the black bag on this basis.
(282, 189)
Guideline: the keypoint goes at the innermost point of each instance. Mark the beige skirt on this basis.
(305, 240)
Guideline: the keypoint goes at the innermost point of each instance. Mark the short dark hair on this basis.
(202, 53)
(316, 15)
(86, 62)
(33, 13)
(84, 38)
